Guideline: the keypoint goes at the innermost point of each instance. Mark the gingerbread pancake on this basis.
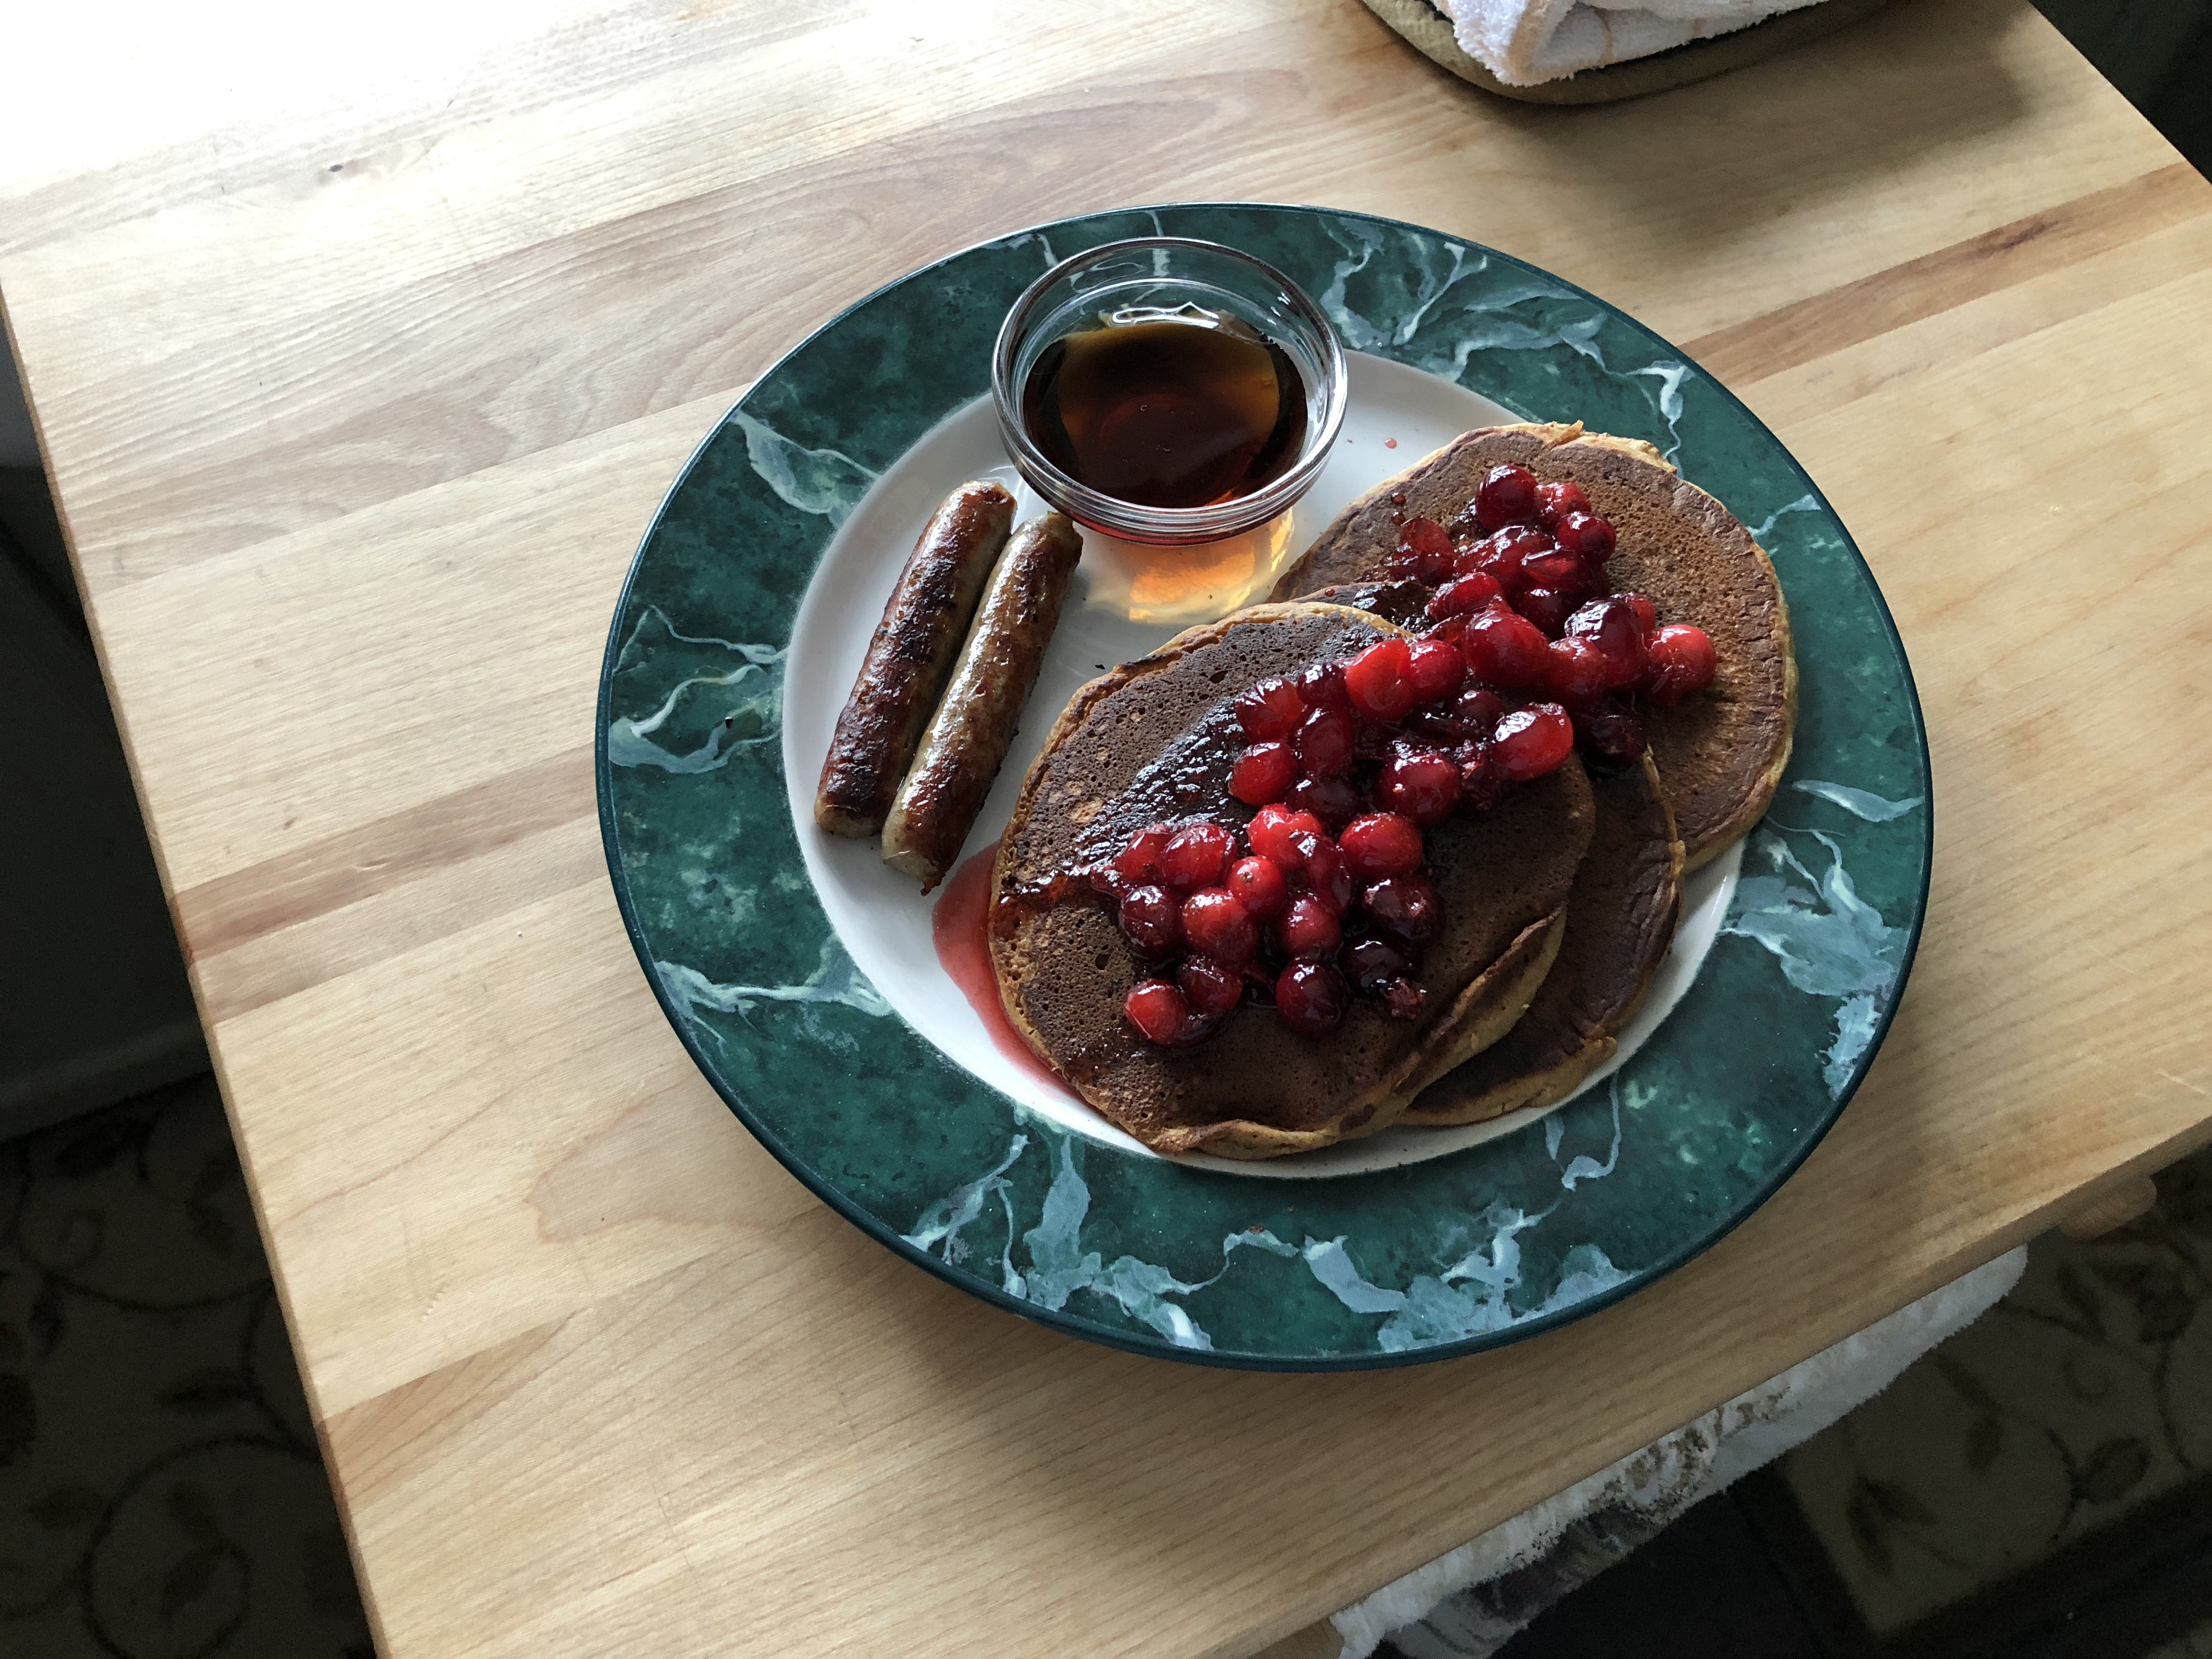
(1154, 740)
(1721, 750)
(1620, 921)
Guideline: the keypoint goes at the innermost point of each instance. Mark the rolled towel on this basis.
(1527, 42)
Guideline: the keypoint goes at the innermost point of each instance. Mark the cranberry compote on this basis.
(1347, 762)
(1158, 1010)
(1151, 921)
(1311, 997)
(1525, 600)
(1327, 890)
(1211, 986)
(1681, 660)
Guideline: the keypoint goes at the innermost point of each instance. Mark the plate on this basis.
(804, 978)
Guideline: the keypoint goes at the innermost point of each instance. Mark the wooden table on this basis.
(360, 363)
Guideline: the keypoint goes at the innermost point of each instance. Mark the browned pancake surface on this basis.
(1620, 921)
(1154, 740)
(1364, 536)
(1404, 602)
(1721, 750)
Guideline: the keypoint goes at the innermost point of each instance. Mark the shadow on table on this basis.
(1805, 135)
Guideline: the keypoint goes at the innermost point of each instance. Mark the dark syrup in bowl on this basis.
(1167, 409)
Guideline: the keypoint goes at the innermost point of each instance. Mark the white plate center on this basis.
(1396, 414)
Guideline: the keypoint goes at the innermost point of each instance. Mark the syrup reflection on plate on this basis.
(1184, 586)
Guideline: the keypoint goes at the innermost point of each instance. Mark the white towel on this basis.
(1524, 42)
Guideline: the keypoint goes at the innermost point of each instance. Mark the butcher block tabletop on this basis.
(362, 352)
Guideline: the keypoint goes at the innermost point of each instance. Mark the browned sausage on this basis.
(909, 659)
(967, 741)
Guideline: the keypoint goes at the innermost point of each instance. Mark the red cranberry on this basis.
(1610, 732)
(1481, 782)
(1275, 832)
(1555, 501)
(1259, 886)
(1371, 962)
(1377, 680)
(1424, 547)
(1682, 660)
(1508, 495)
(1371, 739)
(1483, 557)
(1324, 742)
(1613, 626)
(1263, 772)
(1554, 570)
(1310, 996)
(1217, 925)
(1111, 882)
(1504, 648)
(1464, 594)
(1434, 670)
(1420, 534)
(1577, 670)
(1309, 928)
(1403, 999)
(1333, 801)
(1548, 608)
(1141, 860)
(1588, 537)
(1434, 725)
(1419, 783)
(1327, 877)
(1407, 907)
(1507, 551)
(1448, 630)
(1158, 1010)
(1270, 711)
(1195, 856)
(1380, 844)
(1532, 741)
(1647, 614)
(1211, 986)
(1151, 921)
(1494, 558)
(1322, 686)
(1479, 709)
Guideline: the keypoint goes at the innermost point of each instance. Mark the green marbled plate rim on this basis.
(919, 1173)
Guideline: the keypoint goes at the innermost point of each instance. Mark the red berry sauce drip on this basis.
(1521, 589)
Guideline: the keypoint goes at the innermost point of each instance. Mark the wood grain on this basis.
(360, 389)
(1927, 287)
(357, 864)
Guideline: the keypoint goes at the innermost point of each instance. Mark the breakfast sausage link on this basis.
(967, 741)
(909, 658)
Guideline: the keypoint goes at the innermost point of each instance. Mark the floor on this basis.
(2039, 1485)
(160, 1493)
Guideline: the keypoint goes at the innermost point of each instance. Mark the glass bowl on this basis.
(1164, 272)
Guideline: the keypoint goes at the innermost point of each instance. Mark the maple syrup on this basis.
(1176, 408)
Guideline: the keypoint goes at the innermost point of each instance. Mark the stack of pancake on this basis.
(1558, 903)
